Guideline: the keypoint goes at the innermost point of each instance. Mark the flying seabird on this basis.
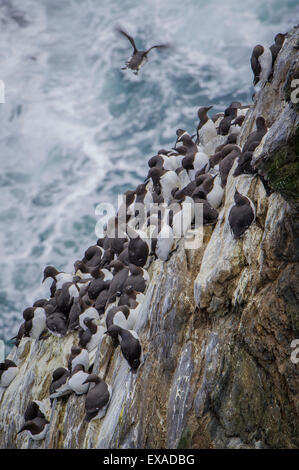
(139, 58)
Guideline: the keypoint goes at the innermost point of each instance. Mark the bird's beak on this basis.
(210, 107)
(147, 179)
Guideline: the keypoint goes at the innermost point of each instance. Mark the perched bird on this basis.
(35, 321)
(241, 215)
(236, 125)
(35, 409)
(59, 278)
(57, 324)
(138, 251)
(102, 300)
(229, 115)
(75, 383)
(183, 176)
(182, 218)
(91, 336)
(37, 428)
(164, 161)
(256, 136)
(261, 64)
(275, 48)
(137, 278)
(66, 295)
(164, 181)
(244, 166)
(100, 283)
(98, 398)
(40, 303)
(77, 379)
(226, 164)
(121, 273)
(213, 190)
(129, 344)
(8, 371)
(78, 356)
(231, 139)
(162, 237)
(59, 378)
(130, 297)
(124, 255)
(143, 196)
(206, 129)
(139, 58)
(87, 312)
(221, 154)
(73, 317)
(117, 316)
(210, 215)
(93, 256)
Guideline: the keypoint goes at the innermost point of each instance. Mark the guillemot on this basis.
(78, 356)
(129, 344)
(8, 371)
(139, 58)
(241, 215)
(36, 428)
(59, 378)
(59, 278)
(261, 64)
(98, 398)
(91, 336)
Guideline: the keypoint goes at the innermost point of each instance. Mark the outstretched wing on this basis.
(121, 31)
(160, 46)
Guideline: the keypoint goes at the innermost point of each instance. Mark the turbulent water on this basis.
(77, 131)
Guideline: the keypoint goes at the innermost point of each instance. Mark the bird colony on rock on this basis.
(104, 294)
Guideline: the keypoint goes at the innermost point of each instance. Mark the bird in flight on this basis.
(139, 58)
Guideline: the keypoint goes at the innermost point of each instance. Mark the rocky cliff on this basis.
(216, 325)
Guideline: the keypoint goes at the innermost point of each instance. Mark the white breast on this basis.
(145, 275)
(207, 132)
(8, 376)
(38, 323)
(265, 61)
(82, 358)
(61, 278)
(107, 274)
(132, 318)
(75, 383)
(92, 313)
(74, 291)
(200, 161)
(183, 219)
(164, 242)
(216, 195)
(169, 181)
(96, 338)
(41, 435)
(119, 319)
(184, 178)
